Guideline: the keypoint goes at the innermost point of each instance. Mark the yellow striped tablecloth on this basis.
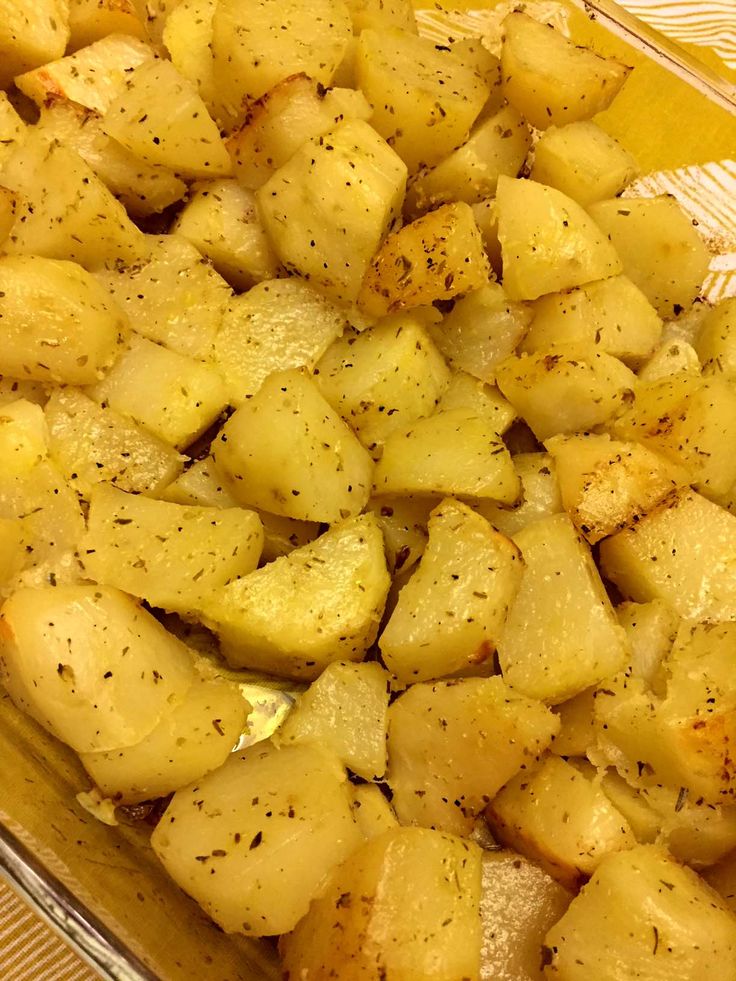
(29, 950)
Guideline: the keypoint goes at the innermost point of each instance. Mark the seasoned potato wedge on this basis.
(345, 711)
(59, 324)
(31, 35)
(548, 242)
(559, 816)
(452, 745)
(90, 665)
(450, 614)
(321, 603)
(660, 249)
(455, 452)
(550, 80)
(198, 550)
(646, 911)
(359, 928)
(586, 644)
(93, 444)
(271, 858)
(435, 257)
(192, 738)
(289, 452)
(329, 207)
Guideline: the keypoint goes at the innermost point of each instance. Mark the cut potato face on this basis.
(321, 603)
(548, 242)
(297, 827)
(549, 80)
(450, 614)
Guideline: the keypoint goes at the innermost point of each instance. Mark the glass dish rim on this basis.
(78, 926)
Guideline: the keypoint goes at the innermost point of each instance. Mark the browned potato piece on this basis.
(434, 258)
(549, 80)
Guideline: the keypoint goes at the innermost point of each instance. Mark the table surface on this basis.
(31, 951)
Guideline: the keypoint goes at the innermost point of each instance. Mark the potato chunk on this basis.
(550, 80)
(319, 604)
(254, 841)
(257, 47)
(607, 485)
(645, 911)
(716, 340)
(452, 745)
(540, 493)
(548, 242)
(425, 97)
(93, 444)
(187, 36)
(90, 665)
(566, 388)
(160, 117)
(612, 314)
(59, 324)
(329, 207)
(277, 325)
(383, 379)
(198, 550)
(92, 20)
(405, 905)
(192, 738)
(289, 452)
(346, 711)
(454, 453)
(684, 553)
(450, 614)
(561, 635)
(519, 903)
(31, 35)
(12, 128)
(558, 816)
(174, 397)
(682, 738)
(435, 257)
(660, 249)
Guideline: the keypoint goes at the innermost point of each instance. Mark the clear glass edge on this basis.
(56, 905)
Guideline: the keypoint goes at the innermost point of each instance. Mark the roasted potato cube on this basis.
(577, 726)
(198, 550)
(194, 737)
(583, 161)
(650, 628)
(548, 242)
(31, 35)
(716, 340)
(90, 665)
(12, 128)
(566, 388)
(176, 398)
(540, 495)
(93, 444)
(435, 257)
(93, 20)
(452, 745)
(454, 452)
(661, 251)
(257, 47)
(187, 36)
(373, 813)
(383, 379)
(558, 816)
(451, 612)
(159, 116)
(91, 77)
(289, 452)
(612, 314)
(59, 324)
(559, 641)
(485, 401)
(318, 604)
(607, 485)
(550, 80)
(405, 905)
(425, 97)
(277, 325)
(272, 856)
(345, 711)
(670, 358)
(329, 207)
(643, 910)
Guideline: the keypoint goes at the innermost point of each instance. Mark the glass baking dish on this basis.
(101, 886)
